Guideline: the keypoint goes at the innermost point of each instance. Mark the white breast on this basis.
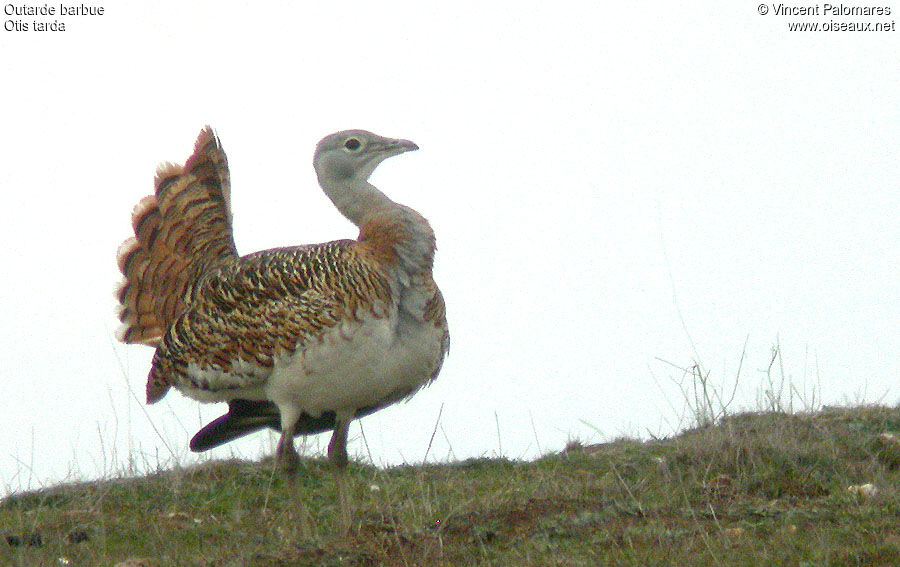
(357, 364)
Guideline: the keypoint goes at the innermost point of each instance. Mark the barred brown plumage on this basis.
(180, 231)
(317, 334)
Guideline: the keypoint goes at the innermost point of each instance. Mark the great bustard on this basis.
(301, 339)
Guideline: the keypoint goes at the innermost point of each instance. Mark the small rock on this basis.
(868, 489)
(77, 536)
(734, 532)
(31, 540)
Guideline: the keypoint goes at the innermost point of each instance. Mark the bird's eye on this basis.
(352, 144)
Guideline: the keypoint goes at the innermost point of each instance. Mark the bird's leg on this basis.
(337, 447)
(337, 455)
(285, 454)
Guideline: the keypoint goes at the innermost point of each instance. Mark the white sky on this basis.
(595, 172)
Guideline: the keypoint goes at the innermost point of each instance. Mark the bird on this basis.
(300, 339)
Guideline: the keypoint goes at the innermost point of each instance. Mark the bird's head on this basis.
(352, 155)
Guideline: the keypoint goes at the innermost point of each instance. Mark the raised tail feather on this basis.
(180, 232)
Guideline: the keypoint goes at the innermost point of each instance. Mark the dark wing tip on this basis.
(243, 417)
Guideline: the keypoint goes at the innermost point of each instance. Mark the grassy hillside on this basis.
(752, 489)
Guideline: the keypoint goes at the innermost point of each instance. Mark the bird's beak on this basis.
(396, 147)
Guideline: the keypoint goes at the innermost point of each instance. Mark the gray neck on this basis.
(356, 199)
(360, 201)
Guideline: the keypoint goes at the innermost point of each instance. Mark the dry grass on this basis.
(750, 489)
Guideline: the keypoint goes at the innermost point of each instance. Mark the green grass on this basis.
(749, 489)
